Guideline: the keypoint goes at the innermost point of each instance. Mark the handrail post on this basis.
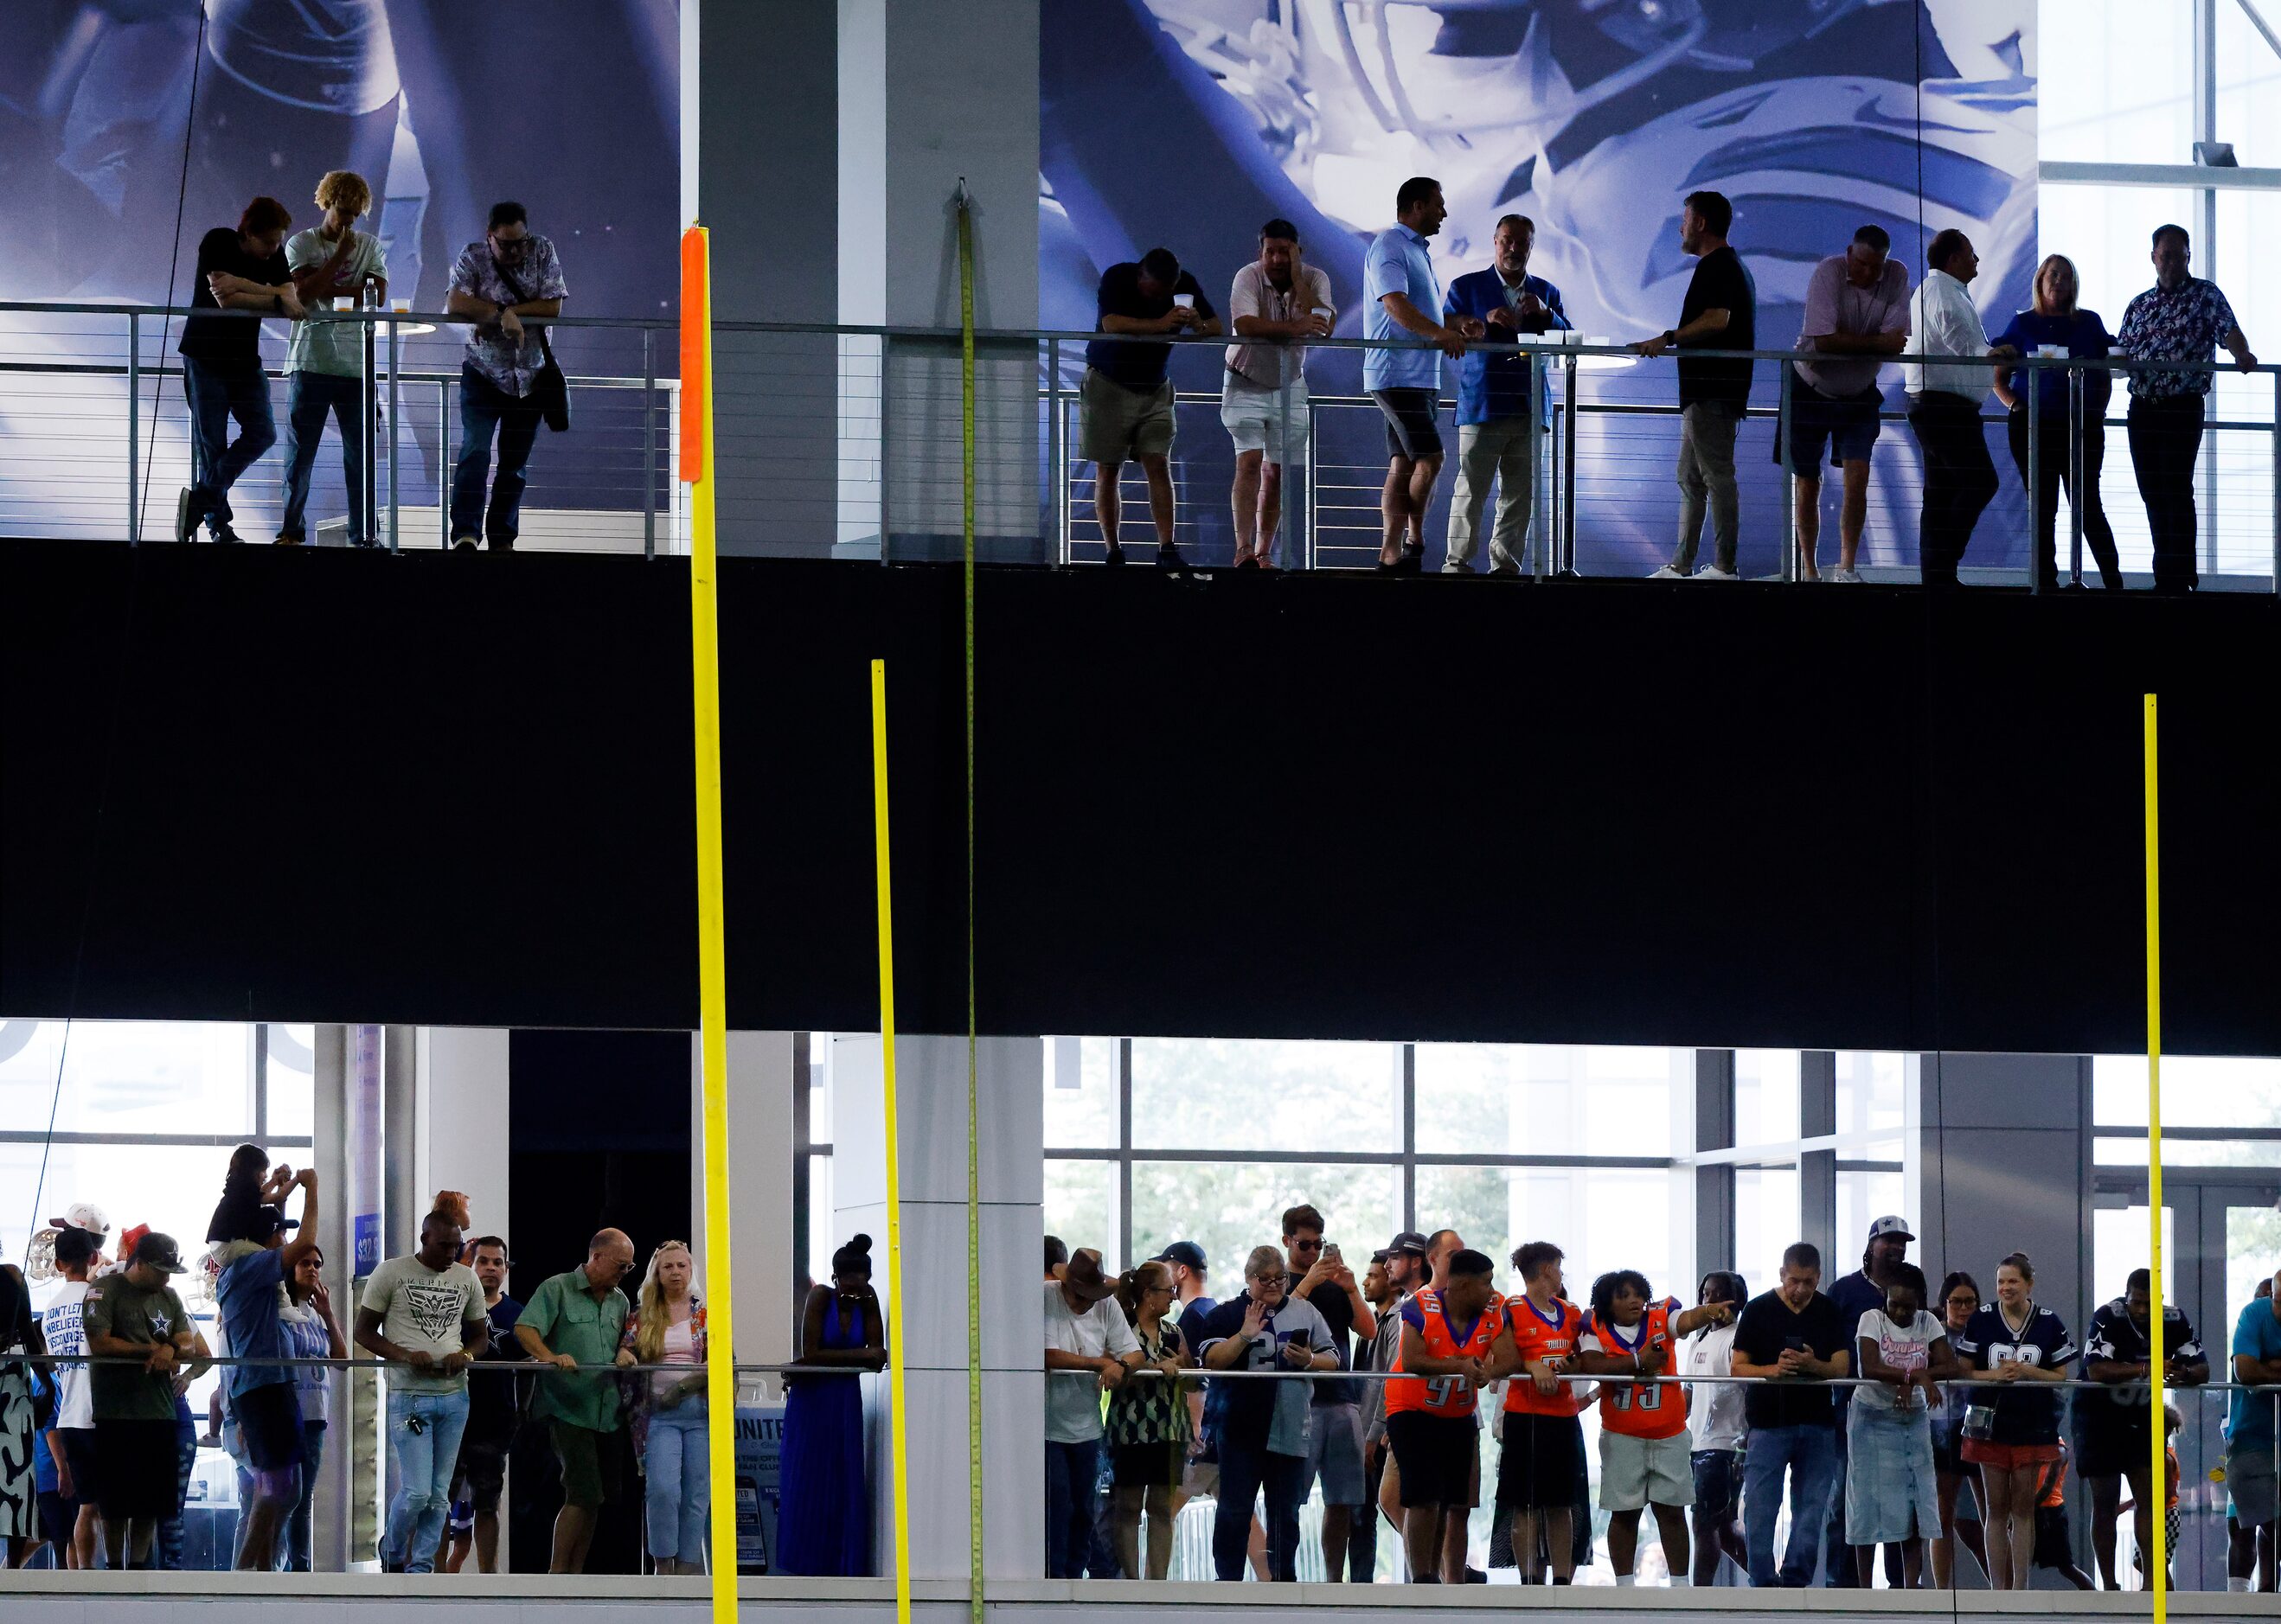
(2277, 585)
(394, 340)
(444, 463)
(1310, 558)
(1550, 530)
(1284, 507)
(886, 444)
(1568, 476)
(1059, 521)
(2035, 476)
(134, 429)
(649, 443)
(1789, 537)
(2075, 464)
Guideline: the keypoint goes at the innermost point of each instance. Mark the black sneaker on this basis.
(1169, 560)
(1475, 1575)
(1412, 562)
(285, 540)
(1116, 555)
(355, 541)
(224, 535)
(188, 512)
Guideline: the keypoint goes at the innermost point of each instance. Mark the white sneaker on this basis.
(1711, 572)
(1667, 573)
(1852, 577)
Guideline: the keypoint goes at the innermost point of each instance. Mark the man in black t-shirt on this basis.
(1719, 313)
(1125, 405)
(1334, 1454)
(240, 270)
(1793, 1338)
(494, 1414)
(2111, 1427)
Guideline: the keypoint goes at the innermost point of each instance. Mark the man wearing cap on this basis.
(1859, 1293)
(265, 1399)
(1403, 1262)
(136, 1314)
(1087, 1333)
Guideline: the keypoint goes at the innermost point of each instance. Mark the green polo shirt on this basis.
(569, 1320)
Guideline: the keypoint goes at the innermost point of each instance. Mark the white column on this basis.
(761, 1151)
(927, 1309)
(460, 1142)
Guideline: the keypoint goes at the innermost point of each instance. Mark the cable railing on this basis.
(844, 441)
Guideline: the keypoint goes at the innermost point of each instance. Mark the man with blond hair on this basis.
(331, 263)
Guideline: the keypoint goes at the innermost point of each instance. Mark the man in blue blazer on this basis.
(1501, 401)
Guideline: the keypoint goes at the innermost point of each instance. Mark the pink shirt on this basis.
(1832, 305)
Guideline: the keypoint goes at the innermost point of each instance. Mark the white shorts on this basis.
(1636, 1471)
(1252, 418)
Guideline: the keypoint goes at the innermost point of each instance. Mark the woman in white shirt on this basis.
(669, 1328)
(1715, 1419)
(1893, 1494)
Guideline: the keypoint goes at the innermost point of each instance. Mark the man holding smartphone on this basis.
(1794, 1339)
(1319, 1277)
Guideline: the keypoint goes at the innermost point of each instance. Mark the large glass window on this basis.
(1549, 1099)
(1216, 1095)
(1228, 1207)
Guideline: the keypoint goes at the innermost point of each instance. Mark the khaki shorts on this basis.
(1117, 424)
(1635, 1472)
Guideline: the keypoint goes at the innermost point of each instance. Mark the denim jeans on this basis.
(171, 1540)
(678, 1492)
(1809, 1454)
(1246, 1468)
(313, 397)
(293, 1549)
(421, 1458)
(1072, 1486)
(485, 408)
(218, 391)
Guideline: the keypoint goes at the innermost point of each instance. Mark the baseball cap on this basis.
(84, 1215)
(1409, 1241)
(158, 1251)
(268, 1221)
(1891, 1224)
(1187, 1254)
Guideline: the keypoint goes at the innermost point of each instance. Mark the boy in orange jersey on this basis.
(1447, 1332)
(1543, 1442)
(1643, 1443)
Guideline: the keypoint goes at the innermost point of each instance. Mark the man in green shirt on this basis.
(575, 1319)
(135, 1314)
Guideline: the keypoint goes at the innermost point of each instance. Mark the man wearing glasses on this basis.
(509, 275)
(573, 1321)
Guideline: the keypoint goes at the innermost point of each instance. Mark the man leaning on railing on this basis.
(240, 270)
(507, 369)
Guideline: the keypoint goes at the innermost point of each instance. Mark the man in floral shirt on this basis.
(509, 275)
(2181, 318)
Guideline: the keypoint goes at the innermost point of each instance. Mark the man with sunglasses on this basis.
(573, 1322)
(509, 275)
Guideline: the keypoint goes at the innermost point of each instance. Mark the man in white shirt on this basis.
(1715, 1421)
(1085, 1332)
(1960, 476)
(1273, 298)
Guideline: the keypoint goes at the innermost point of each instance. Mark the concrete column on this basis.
(932, 92)
(330, 1550)
(927, 1308)
(461, 1140)
(1714, 1186)
(761, 1150)
(1817, 1170)
(2001, 1163)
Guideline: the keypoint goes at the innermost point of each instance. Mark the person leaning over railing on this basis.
(1275, 296)
(1124, 403)
(2055, 325)
(1148, 1425)
(1542, 1458)
(222, 377)
(139, 1332)
(1960, 1300)
(667, 1327)
(332, 262)
(2011, 1435)
(2253, 1434)
(1793, 1338)
(2181, 318)
(1856, 315)
(1960, 476)
(507, 372)
(574, 1319)
(2114, 1429)
(1085, 1333)
(1501, 399)
(1720, 312)
(1892, 1489)
(1715, 1427)
(1443, 1336)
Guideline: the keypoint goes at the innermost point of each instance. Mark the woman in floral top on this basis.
(667, 1327)
(1148, 1424)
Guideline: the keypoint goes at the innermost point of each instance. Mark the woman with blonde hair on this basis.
(332, 262)
(667, 1327)
(1148, 1424)
(2055, 325)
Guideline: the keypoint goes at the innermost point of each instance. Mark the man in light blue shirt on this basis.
(1401, 300)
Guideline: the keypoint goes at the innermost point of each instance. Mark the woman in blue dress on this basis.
(823, 1523)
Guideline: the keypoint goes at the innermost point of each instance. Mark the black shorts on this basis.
(76, 1445)
(1433, 1456)
(57, 1518)
(269, 1422)
(1947, 1439)
(1718, 1481)
(1411, 430)
(2108, 1445)
(2055, 1548)
(481, 1476)
(1543, 1458)
(136, 1471)
(1140, 1466)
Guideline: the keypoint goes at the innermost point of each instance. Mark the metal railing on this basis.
(843, 441)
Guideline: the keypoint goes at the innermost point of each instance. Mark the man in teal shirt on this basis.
(575, 1319)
